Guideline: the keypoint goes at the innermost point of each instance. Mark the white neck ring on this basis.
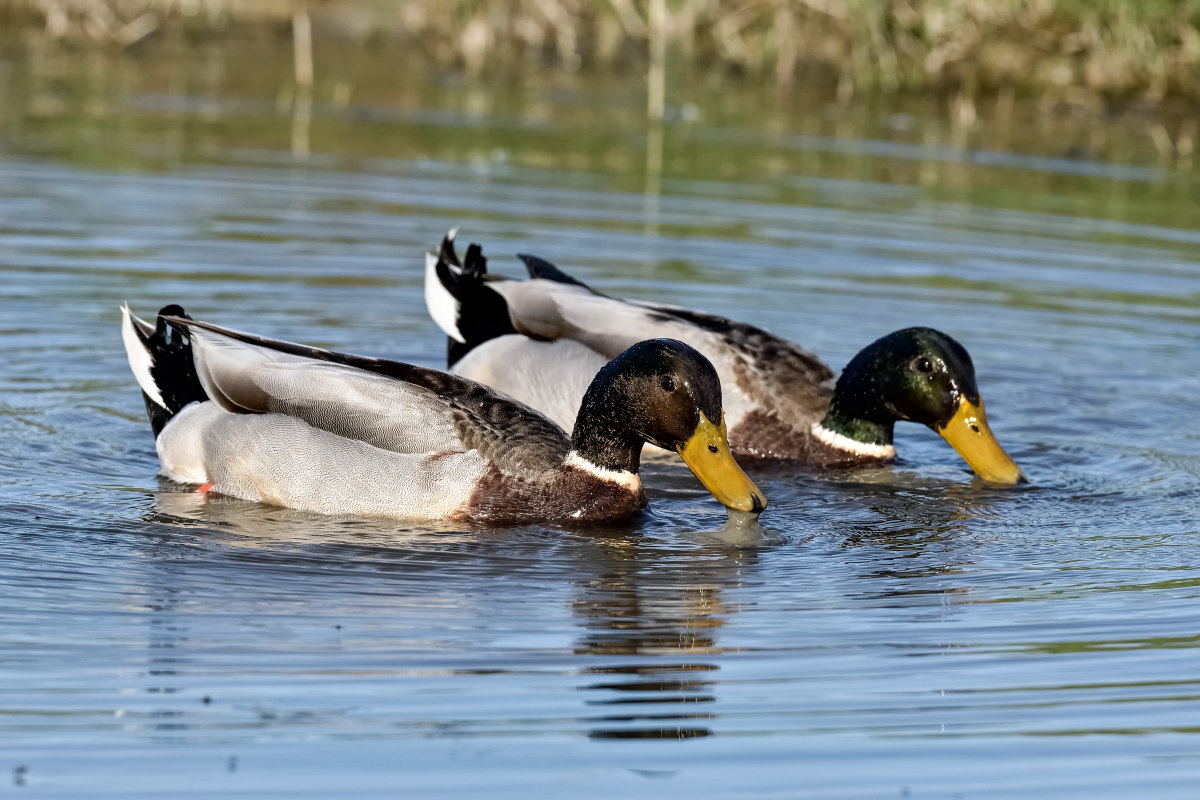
(629, 480)
(846, 444)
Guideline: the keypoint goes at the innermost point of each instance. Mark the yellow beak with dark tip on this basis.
(969, 434)
(707, 455)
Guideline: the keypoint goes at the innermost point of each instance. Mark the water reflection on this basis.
(160, 603)
(661, 629)
(930, 536)
(647, 613)
(167, 642)
(647, 616)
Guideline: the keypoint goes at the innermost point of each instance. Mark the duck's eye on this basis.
(667, 382)
(712, 448)
(922, 364)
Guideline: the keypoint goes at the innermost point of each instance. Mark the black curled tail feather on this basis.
(482, 312)
(446, 253)
(172, 368)
(539, 267)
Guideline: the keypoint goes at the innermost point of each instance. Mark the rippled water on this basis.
(908, 633)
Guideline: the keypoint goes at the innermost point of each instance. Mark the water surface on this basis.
(906, 632)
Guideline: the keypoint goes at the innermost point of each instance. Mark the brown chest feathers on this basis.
(566, 494)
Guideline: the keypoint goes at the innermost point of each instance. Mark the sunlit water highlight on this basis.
(891, 632)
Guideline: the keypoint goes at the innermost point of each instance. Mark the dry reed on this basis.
(1077, 50)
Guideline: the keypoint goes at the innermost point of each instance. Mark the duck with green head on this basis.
(540, 340)
(914, 375)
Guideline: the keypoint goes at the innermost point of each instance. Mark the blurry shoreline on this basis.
(1102, 55)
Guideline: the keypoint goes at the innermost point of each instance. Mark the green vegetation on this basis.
(1094, 52)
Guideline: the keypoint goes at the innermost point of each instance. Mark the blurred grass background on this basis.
(1097, 53)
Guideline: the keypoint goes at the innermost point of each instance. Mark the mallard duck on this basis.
(315, 430)
(539, 340)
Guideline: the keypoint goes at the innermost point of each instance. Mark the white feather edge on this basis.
(443, 306)
(840, 442)
(140, 360)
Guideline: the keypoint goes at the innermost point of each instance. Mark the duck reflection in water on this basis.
(646, 645)
(918, 539)
(654, 633)
(635, 619)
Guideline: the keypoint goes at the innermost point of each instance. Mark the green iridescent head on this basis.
(919, 375)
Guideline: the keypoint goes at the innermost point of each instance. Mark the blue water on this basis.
(909, 634)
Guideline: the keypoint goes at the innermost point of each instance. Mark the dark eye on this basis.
(922, 364)
(668, 383)
(712, 448)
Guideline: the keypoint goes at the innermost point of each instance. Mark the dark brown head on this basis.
(664, 392)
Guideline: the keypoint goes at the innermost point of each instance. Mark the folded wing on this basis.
(390, 405)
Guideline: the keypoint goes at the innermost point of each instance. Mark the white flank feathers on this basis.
(840, 442)
(549, 376)
(140, 360)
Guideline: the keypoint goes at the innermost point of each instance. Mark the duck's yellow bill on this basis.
(969, 434)
(707, 455)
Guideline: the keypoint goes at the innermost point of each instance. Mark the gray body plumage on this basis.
(334, 434)
(569, 331)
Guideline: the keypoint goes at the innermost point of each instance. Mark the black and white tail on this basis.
(460, 300)
(160, 356)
